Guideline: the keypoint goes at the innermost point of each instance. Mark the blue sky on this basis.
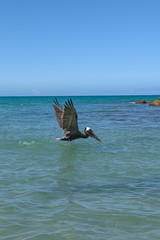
(83, 47)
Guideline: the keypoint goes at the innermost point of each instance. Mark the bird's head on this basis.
(88, 131)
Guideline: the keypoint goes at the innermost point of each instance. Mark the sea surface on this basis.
(86, 190)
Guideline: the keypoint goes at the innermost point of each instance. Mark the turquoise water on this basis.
(83, 190)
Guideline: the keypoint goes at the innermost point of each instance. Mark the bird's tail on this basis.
(63, 138)
(58, 139)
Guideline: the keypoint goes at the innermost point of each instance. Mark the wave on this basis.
(26, 143)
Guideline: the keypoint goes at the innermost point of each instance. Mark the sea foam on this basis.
(26, 143)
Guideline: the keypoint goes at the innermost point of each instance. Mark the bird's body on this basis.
(68, 120)
(73, 137)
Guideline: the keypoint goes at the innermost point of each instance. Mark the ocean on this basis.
(53, 190)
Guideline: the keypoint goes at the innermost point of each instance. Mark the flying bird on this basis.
(68, 120)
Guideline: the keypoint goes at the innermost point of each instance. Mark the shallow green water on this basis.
(87, 190)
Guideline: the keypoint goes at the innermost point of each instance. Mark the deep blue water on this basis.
(84, 190)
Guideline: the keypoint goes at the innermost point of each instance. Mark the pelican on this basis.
(68, 120)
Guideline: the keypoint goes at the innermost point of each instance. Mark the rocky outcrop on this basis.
(155, 103)
(141, 101)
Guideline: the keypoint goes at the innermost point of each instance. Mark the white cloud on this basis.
(35, 91)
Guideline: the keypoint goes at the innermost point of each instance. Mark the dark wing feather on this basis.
(67, 118)
(58, 112)
(70, 118)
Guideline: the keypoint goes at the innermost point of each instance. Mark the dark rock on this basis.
(155, 103)
(141, 101)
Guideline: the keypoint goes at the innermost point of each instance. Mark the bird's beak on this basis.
(92, 134)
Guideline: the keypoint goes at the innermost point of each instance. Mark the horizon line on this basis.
(90, 95)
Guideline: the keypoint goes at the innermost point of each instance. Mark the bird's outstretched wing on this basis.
(58, 112)
(67, 118)
(70, 118)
